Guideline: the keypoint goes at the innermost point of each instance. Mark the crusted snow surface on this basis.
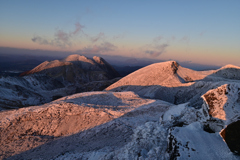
(31, 90)
(191, 142)
(174, 112)
(165, 139)
(149, 141)
(97, 114)
(109, 125)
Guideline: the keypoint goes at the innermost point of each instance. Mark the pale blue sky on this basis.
(198, 31)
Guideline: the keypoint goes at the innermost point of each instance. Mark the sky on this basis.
(203, 31)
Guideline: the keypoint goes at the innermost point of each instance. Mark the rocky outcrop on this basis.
(223, 102)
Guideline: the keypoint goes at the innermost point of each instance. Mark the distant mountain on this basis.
(76, 69)
(14, 64)
(54, 79)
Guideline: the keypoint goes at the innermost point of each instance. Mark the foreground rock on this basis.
(231, 135)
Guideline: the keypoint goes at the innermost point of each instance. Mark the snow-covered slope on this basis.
(27, 128)
(31, 90)
(166, 74)
(110, 125)
(170, 82)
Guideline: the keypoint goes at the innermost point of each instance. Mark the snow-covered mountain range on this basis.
(162, 111)
(54, 79)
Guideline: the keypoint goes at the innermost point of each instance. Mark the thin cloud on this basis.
(102, 48)
(61, 39)
(159, 49)
(40, 40)
(78, 27)
(156, 48)
(98, 37)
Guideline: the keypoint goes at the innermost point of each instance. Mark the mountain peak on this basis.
(75, 57)
(174, 66)
(76, 69)
(99, 60)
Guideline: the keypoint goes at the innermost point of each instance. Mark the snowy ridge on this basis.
(170, 82)
(166, 74)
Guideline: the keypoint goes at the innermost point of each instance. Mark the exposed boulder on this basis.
(231, 135)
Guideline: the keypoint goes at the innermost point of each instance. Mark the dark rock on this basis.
(231, 135)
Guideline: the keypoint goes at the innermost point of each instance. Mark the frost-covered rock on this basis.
(149, 141)
(191, 142)
(183, 114)
(224, 102)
